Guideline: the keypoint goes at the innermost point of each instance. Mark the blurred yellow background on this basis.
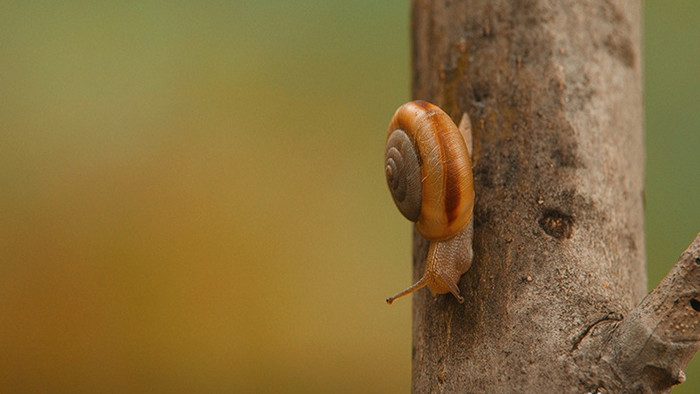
(192, 196)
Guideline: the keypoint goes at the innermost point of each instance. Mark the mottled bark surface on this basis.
(554, 91)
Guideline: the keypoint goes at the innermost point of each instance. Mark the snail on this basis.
(429, 173)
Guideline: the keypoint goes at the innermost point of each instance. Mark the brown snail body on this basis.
(429, 173)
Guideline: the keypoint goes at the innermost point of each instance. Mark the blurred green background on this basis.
(192, 199)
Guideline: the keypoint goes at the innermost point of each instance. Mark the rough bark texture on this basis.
(554, 91)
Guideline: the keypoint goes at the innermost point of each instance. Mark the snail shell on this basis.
(429, 173)
(428, 170)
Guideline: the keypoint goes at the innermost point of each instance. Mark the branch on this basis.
(651, 347)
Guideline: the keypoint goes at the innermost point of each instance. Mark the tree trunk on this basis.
(554, 92)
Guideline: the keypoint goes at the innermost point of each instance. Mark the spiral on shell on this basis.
(403, 174)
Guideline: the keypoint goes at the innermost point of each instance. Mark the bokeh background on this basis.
(192, 197)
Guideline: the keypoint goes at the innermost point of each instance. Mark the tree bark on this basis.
(554, 91)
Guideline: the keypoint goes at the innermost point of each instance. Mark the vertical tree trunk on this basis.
(554, 92)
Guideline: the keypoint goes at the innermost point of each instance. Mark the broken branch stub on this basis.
(656, 341)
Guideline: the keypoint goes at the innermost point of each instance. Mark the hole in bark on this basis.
(557, 224)
(695, 304)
